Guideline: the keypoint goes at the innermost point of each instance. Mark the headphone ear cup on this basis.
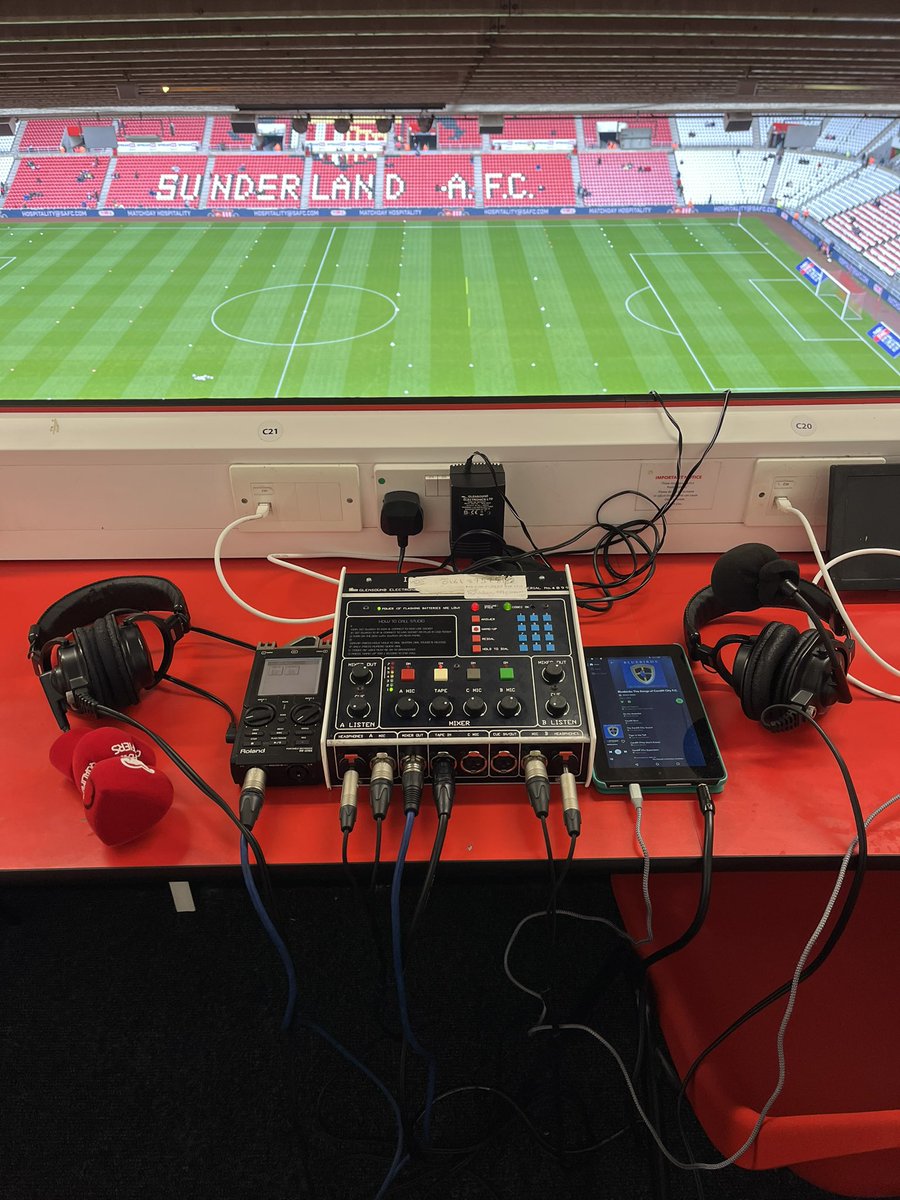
(86, 642)
(756, 686)
(122, 684)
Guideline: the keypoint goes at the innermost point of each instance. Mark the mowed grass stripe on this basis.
(493, 370)
(725, 320)
(94, 300)
(452, 347)
(640, 357)
(522, 330)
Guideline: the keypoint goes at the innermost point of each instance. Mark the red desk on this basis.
(784, 800)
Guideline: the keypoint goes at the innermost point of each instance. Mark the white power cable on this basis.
(779, 1041)
(784, 505)
(283, 560)
(262, 511)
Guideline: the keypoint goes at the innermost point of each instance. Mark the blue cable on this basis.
(396, 945)
(399, 1160)
(274, 937)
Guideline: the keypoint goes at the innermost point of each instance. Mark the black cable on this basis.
(537, 1135)
(376, 857)
(222, 637)
(437, 847)
(840, 922)
(198, 781)
(400, 558)
(706, 872)
(199, 691)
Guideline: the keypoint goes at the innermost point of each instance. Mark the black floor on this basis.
(142, 1057)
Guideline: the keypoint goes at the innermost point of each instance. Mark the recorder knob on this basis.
(508, 705)
(360, 675)
(557, 704)
(357, 709)
(475, 707)
(406, 708)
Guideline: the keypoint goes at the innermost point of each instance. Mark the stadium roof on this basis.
(468, 56)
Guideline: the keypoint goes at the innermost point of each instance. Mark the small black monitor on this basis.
(863, 511)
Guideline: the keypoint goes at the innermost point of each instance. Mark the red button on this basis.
(475, 607)
(476, 649)
(407, 674)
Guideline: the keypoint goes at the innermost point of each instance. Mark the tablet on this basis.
(652, 728)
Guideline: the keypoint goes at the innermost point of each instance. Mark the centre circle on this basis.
(380, 310)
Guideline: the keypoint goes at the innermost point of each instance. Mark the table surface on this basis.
(784, 801)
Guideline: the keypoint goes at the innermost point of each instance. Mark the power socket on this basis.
(804, 481)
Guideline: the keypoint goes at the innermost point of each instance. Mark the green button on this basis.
(507, 673)
(507, 606)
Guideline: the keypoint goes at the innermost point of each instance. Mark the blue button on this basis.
(548, 620)
(551, 647)
(523, 646)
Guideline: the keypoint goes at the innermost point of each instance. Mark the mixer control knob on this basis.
(475, 707)
(357, 709)
(553, 672)
(508, 705)
(406, 708)
(441, 706)
(557, 704)
(360, 675)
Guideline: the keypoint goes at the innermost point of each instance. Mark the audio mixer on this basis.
(483, 669)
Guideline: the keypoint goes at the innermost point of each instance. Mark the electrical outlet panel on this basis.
(304, 498)
(804, 481)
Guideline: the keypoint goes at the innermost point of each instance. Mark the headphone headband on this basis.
(705, 606)
(134, 593)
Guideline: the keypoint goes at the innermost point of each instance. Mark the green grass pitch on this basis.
(294, 311)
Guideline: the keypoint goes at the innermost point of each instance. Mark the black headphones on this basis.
(81, 651)
(781, 664)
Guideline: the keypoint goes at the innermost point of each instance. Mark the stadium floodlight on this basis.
(300, 124)
(384, 124)
(342, 124)
(425, 121)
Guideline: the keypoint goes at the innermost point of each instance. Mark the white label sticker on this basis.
(803, 424)
(658, 480)
(472, 587)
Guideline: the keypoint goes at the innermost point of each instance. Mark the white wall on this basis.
(157, 485)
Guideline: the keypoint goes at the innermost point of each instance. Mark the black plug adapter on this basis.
(402, 516)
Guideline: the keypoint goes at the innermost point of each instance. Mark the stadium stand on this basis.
(804, 176)
(47, 183)
(724, 176)
(157, 181)
(539, 129)
(623, 177)
(223, 136)
(256, 181)
(522, 180)
(866, 183)
(351, 186)
(42, 134)
(167, 129)
(6, 162)
(457, 133)
(766, 123)
(850, 135)
(707, 130)
(660, 129)
(5, 145)
(361, 130)
(868, 225)
(430, 181)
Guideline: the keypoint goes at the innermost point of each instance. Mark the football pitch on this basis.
(291, 311)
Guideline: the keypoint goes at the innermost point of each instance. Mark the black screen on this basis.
(651, 726)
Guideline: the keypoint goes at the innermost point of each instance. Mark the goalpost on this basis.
(846, 303)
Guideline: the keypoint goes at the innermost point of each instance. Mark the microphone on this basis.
(753, 576)
(122, 792)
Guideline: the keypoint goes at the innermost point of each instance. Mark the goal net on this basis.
(844, 301)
